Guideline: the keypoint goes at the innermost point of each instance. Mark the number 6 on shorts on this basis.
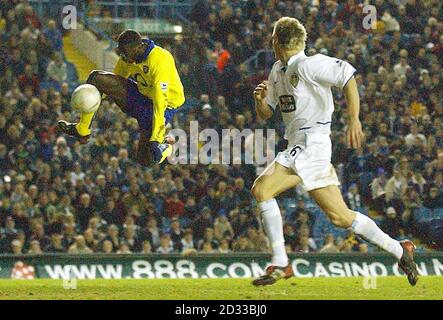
(294, 150)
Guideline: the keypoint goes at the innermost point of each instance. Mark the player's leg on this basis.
(143, 150)
(331, 202)
(273, 181)
(107, 83)
(114, 86)
(150, 153)
(165, 149)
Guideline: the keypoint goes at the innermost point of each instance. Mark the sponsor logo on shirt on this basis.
(287, 103)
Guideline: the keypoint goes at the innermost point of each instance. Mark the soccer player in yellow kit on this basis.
(145, 85)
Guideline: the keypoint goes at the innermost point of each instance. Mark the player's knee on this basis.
(340, 219)
(92, 77)
(259, 192)
(96, 78)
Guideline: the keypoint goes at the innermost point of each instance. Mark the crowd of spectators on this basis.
(59, 196)
(398, 62)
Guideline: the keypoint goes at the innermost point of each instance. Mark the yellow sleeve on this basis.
(162, 67)
(120, 69)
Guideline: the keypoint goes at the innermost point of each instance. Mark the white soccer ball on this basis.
(86, 98)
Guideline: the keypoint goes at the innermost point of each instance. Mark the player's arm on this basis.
(160, 71)
(354, 132)
(261, 106)
(264, 100)
(338, 73)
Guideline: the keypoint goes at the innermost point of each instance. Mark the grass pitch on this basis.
(393, 288)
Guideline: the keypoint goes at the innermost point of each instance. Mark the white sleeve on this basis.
(331, 71)
(270, 99)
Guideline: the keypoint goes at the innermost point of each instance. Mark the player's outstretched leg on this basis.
(153, 153)
(331, 202)
(406, 262)
(69, 128)
(107, 83)
(273, 181)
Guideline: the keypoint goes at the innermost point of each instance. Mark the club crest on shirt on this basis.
(145, 69)
(294, 80)
(287, 103)
(164, 86)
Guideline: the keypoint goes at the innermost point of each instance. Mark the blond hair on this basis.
(290, 33)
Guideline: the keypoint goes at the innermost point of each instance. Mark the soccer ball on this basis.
(86, 98)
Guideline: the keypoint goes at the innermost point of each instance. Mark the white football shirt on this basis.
(302, 90)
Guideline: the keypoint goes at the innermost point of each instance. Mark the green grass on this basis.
(430, 287)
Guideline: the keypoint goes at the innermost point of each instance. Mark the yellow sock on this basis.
(166, 153)
(83, 127)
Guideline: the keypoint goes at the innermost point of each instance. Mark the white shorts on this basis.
(310, 158)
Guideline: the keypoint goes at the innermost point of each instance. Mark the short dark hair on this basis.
(129, 38)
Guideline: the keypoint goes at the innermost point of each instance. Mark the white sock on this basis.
(366, 228)
(273, 224)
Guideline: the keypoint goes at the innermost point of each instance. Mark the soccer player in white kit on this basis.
(301, 87)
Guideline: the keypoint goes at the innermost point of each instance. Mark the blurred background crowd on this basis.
(59, 196)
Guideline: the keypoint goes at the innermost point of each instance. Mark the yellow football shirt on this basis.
(158, 79)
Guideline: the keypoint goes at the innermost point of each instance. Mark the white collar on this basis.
(294, 58)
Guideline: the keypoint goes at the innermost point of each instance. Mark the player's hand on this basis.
(354, 134)
(260, 91)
